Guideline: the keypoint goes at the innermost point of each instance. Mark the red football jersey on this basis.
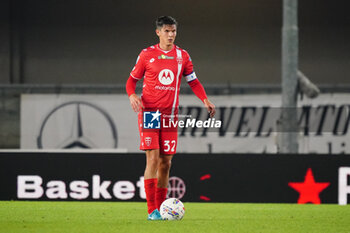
(162, 72)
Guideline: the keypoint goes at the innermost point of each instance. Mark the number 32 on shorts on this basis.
(169, 145)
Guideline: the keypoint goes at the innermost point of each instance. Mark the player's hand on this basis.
(135, 102)
(210, 107)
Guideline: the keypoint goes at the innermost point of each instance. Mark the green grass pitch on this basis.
(75, 217)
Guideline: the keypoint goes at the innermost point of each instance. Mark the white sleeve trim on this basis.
(192, 76)
(134, 77)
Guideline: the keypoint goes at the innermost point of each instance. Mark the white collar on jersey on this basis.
(164, 51)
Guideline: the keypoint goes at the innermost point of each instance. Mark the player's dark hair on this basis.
(165, 20)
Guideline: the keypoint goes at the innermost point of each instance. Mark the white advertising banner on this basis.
(248, 123)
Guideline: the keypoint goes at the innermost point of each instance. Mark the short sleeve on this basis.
(139, 69)
(188, 68)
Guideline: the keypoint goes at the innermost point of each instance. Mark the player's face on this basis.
(167, 34)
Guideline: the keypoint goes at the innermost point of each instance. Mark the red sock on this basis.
(150, 189)
(160, 196)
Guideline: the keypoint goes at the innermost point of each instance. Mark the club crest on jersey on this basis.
(166, 77)
(179, 60)
(148, 141)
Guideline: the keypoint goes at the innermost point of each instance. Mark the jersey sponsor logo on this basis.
(166, 77)
(164, 88)
(165, 57)
(151, 120)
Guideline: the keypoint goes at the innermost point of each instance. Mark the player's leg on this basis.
(163, 178)
(150, 144)
(152, 161)
(164, 170)
(150, 178)
(150, 182)
(168, 144)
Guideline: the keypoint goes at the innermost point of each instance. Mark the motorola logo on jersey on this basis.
(166, 77)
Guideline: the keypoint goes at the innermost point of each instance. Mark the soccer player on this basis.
(161, 66)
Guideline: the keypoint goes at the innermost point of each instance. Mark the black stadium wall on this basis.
(89, 41)
(255, 178)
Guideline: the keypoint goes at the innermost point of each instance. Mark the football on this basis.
(172, 209)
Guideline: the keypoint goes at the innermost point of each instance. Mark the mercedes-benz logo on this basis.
(77, 124)
(176, 187)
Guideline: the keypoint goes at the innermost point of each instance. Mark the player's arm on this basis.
(135, 101)
(196, 86)
(136, 74)
(199, 91)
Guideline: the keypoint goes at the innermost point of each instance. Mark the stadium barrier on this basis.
(10, 107)
(108, 121)
(106, 176)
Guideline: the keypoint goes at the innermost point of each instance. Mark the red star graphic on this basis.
(309, 190)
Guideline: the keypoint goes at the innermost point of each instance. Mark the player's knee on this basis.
(165, 164)
(153, 161)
